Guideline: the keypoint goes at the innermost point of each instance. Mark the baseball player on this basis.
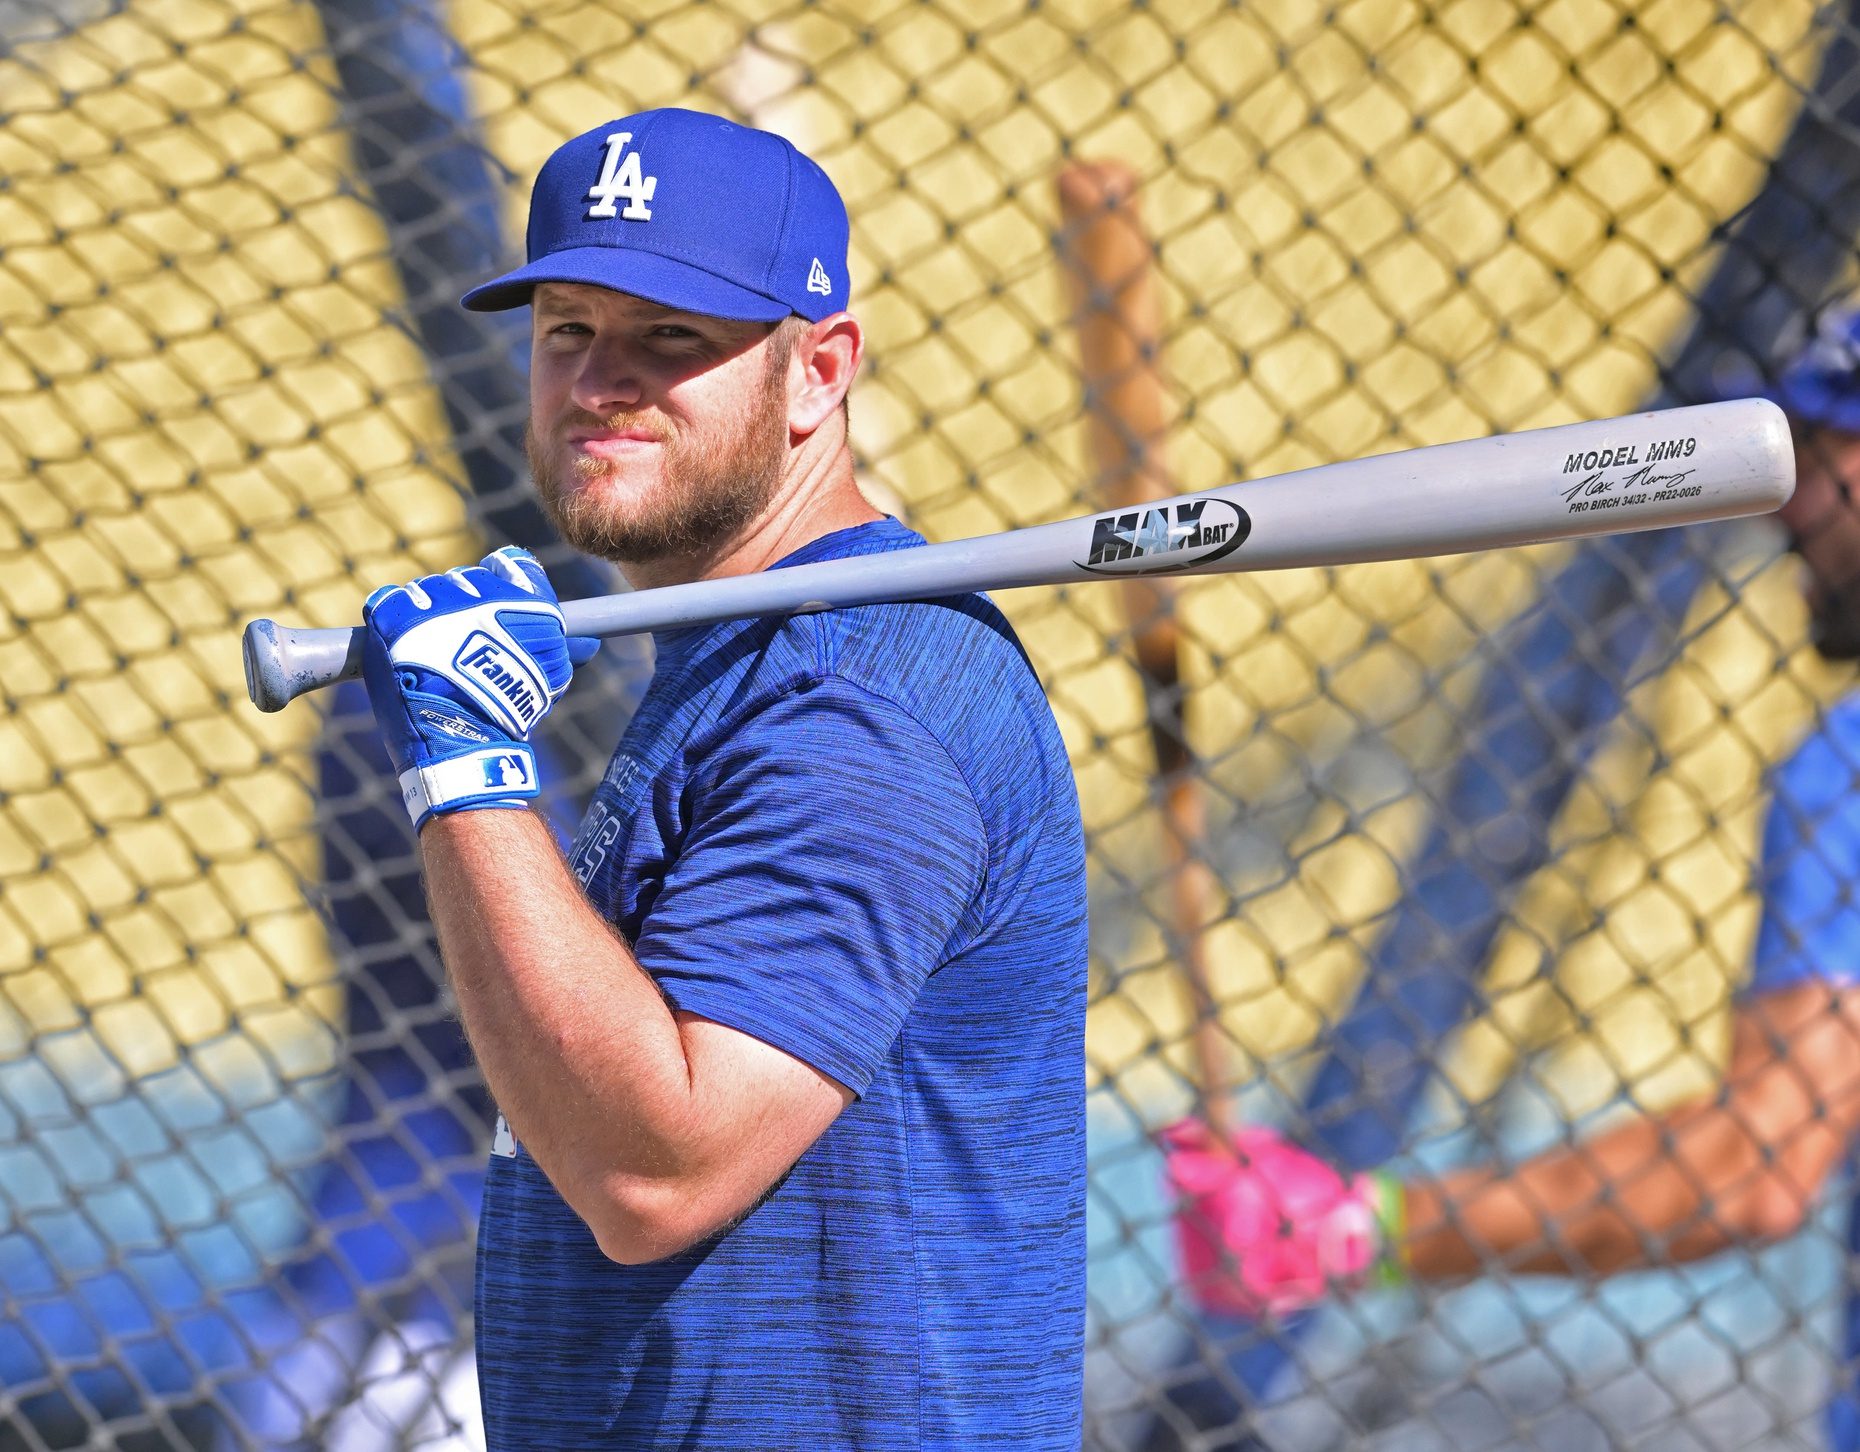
(1268, 1227)
(789, 1046)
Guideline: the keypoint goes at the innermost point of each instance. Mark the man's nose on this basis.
(611, 378)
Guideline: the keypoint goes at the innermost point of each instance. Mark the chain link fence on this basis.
(1425, 862)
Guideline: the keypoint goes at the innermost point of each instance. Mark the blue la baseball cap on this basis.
(687, 210)
(1820, 386)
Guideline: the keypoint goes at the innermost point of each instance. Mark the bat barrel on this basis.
(1611, 476)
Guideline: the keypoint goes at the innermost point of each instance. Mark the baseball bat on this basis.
(1109, 261)
(1642, 471)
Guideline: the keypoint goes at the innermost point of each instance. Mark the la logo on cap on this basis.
(622, 177)
(818, 281)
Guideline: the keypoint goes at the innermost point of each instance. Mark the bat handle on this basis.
(282, 661)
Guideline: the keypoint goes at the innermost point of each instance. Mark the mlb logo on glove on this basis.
(507, 771)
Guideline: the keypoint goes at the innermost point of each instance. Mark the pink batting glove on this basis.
(1264, 1226)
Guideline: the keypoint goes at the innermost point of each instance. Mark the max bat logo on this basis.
(1166, 538)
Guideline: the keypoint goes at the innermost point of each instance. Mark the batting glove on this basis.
(460, 667)
(1266, 1227)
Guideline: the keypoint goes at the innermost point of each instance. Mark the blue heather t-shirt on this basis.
(1811, 933)
(856, 837)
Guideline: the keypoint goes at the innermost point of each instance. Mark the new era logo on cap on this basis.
(687, 210)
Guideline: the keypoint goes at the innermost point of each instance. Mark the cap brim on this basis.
(662, 280)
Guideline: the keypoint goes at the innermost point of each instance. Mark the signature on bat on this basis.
(1642, 478)
(1598, 490)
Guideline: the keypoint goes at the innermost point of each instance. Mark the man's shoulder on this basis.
(899, 694)
(920, 642)
(953, 665)
(908, 642)
(952, 668)
(961, 630)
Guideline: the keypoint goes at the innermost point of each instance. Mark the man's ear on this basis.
(827, 354)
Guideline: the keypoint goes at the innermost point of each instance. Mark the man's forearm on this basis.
(578, 1046)
(1659, 1189)
(1654, 1191)
(1590, 1209)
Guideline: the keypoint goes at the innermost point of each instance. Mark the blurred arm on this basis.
(1745, 1166)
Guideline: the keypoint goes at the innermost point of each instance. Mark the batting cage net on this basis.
(1424, 865)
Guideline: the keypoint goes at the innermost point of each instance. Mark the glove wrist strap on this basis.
(503, 775)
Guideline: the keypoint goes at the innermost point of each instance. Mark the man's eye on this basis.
(569, 328)
(673, 330)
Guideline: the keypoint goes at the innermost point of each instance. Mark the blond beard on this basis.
(712, 488)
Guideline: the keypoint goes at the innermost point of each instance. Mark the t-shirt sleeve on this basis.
(834, 858)
(1810, 878)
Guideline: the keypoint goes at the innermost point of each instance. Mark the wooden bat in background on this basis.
(1110, 268)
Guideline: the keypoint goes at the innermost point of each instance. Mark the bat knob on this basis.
(281, 663)
(264, 666)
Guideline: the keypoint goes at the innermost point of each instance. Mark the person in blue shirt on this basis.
(788, 1047)
(1744, 1166)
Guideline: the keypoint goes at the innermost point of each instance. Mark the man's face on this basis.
(653, 434)
(1823, 520)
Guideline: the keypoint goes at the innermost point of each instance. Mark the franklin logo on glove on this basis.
(485, 659)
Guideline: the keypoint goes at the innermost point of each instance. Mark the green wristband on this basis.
(1391, 1197)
